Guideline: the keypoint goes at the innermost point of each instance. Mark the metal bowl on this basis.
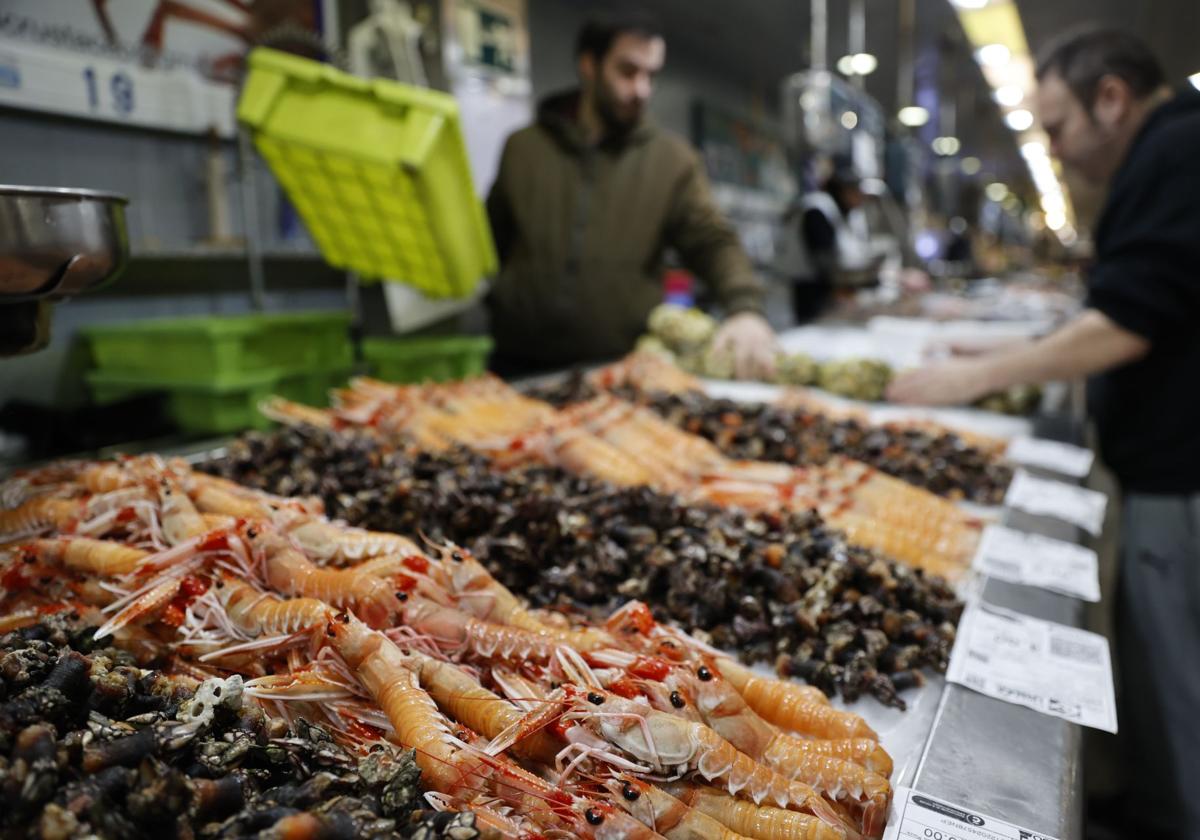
(58, 242)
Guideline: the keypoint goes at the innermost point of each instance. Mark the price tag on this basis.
(1062, 458)
(1044, 497)
(1051, 668)
(1034, 560)
(918, 816)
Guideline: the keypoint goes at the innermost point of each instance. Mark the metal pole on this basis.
(254, 256)
(856, 35)
(906, 72)
(819, 34)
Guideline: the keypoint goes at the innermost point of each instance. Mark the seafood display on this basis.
(954, 465)
(93, 744)
(532, 723)
(777, 589)
(631, 446)
(683, 336)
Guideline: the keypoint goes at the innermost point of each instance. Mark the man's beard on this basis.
(616, 121)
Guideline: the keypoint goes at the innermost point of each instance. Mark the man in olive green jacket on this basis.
(585, 203)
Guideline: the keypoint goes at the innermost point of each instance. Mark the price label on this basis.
(1051, 668)
(1034, 560)
(919, 816)
(1062, 458)
(1045, 497)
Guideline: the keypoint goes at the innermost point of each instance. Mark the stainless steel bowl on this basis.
(58, 242)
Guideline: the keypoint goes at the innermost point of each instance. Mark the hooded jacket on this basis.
(581, 231)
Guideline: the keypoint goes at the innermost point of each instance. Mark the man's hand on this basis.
(955, 382)
(750, 340)
(914, 280)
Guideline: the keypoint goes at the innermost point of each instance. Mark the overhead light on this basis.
(1019, 120)
(864, 64)
(993, 55)
(1054, 203)
(1056, 221)
(1195, 80)
(858, 64)
(1033, 150)
(969, 4)
(849, 119)
(971, 165)
(946, 146)
(996, 191)
(913, 116)
(1010, 96)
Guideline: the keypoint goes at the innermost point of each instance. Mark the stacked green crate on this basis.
(427, 359)
(216, 370)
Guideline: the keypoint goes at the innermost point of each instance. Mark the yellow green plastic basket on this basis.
(377, 170)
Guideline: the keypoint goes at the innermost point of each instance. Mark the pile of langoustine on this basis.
(630, 446)
(536, 726)
(800, 429)
(782, 588)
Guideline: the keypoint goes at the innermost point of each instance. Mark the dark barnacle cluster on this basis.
(940, 463)
(91, 745)
(765, 585)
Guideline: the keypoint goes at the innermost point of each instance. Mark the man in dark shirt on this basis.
(1104, 102)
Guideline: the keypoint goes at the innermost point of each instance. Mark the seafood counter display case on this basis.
(653, 556)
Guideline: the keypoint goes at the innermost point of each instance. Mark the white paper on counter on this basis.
(1034, 560)
(1062, 458)
(1057, 670)
(919, 816)
(1046, 497)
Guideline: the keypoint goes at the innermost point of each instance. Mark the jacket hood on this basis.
(558, 114)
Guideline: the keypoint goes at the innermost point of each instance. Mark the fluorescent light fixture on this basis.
(845, 65)
(849, 119)
(1054, 203)
(996, 191)
(1033, 150)
(1019, 120)
(993, 55)
(913, 116)
(1195, 80)
(969, 4)
(863, 64)
(1056, 221)
(971, 165)
(1010, 96)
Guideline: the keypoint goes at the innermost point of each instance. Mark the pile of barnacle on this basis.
(778, 587)
(92, 745)
(942, 463)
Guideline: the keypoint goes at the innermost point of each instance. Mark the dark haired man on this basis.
(1104, 102)
(585, 203)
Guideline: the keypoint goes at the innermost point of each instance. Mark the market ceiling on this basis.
(765, 40)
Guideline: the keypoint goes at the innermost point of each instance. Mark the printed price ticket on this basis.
(1044, 497)
(1050, 668)
(1034, 560)
(1063, 458)
(918, 816)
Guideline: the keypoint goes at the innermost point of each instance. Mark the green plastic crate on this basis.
(207, 349)
(221, 406)
(377, 170)
(427, 359)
